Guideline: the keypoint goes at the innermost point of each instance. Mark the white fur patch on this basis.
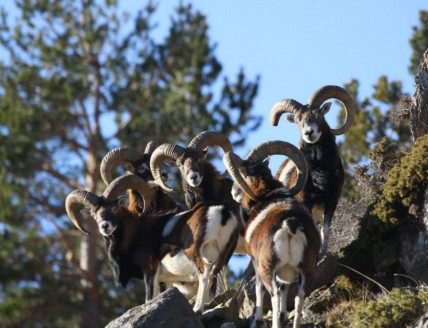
(237, 193)
(314, 137)
(284, 176)
(188, 289)
(106, 228)
(289, 247)
(217, 235)
(177, 268)
(193, 178)
(318, 213)
(259, 219)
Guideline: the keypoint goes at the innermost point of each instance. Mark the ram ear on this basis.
(85, 211)
(265, 163)
(170, 162)
(290, 118)
(324, 109)
(205, 153)
(129, 167)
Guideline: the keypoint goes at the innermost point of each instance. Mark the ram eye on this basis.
(115, 210)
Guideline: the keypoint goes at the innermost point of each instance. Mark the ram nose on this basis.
(106, 228)
(311, 135)
(194, 179)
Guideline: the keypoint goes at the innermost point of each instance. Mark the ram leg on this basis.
(149, 286)
(283, 292)
(203, 289)
(298, 302)
(260, 292)
(324, 236)
(275, 297)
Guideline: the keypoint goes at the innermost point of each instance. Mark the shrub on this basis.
(405, 186)
(398, 202)
(398, 308)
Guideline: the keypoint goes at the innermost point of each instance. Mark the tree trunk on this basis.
(88, 252)
(419, 110)
(91, 297)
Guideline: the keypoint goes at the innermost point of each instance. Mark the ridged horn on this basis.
(233, 162)
(163, 152)
(335, 92)
(281, 107)
(269, 148)
(150, 147)
(115, 157)
(73, 204)
(211, 138)
(129, 181)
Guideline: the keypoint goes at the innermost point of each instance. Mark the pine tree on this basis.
(372, 123)
(73, 85)
(419, 41)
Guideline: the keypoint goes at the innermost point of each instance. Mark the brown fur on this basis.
(213, 188)
(260, 248)
(137, 246)
(281, 209)
(160, 202)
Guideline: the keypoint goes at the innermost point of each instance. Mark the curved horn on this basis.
(73, 202)
(281, 107)
(266, 149)
(129, 181)
(115, 157)
(150, 147)
(232, 163)
(335, 92)
(210, 138)
(159, 156)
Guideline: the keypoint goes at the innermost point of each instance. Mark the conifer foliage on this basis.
(78, 78)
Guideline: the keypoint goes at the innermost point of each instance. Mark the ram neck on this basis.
(322, 153)
(127, 234)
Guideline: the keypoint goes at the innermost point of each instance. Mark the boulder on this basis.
(169, 309)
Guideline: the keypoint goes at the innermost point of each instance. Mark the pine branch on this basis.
(54, 173)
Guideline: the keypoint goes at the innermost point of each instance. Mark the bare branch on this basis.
(67, 181)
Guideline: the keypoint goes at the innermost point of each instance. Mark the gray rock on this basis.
(413, 250)
(225, 314)
(169, 309)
